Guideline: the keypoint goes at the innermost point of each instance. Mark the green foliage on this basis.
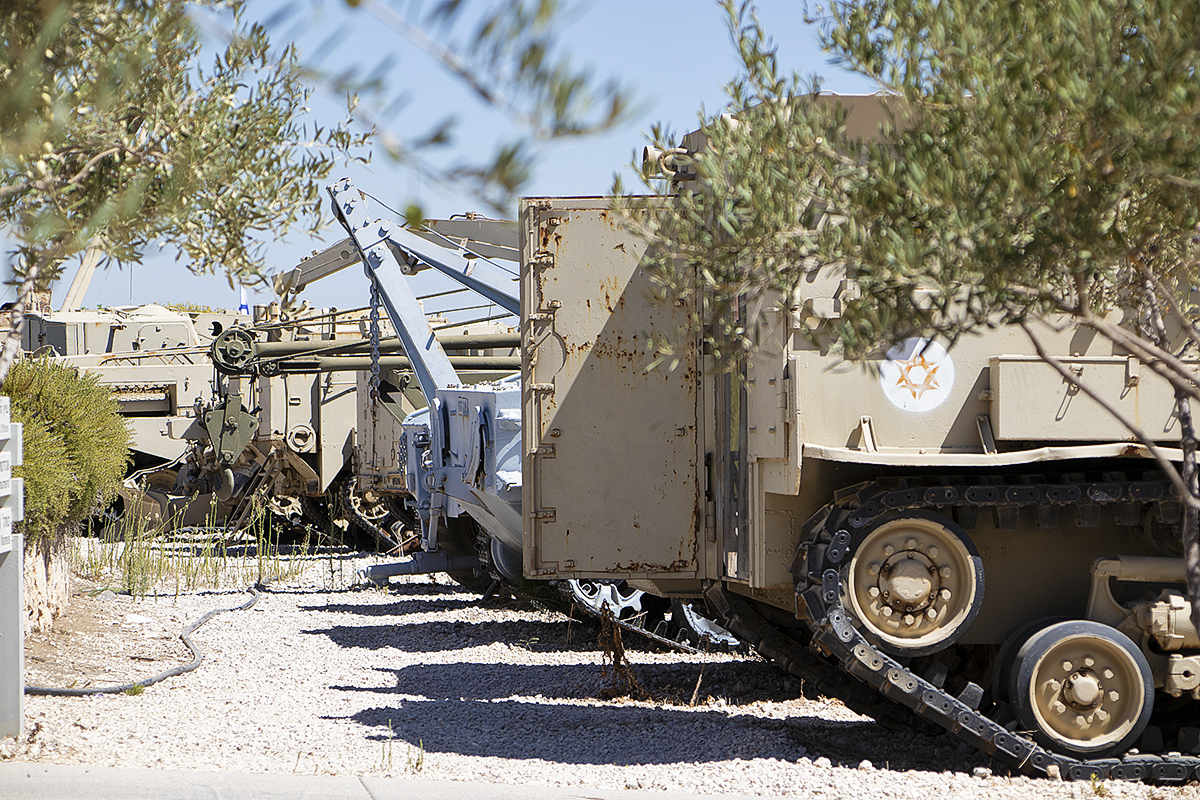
(184, 307)
(76, 444)
(109, 123)
(1038, 158)
(1035, 160)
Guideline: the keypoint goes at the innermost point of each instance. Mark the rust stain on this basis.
(637, 566)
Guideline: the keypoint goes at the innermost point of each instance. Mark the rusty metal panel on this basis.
(611, 478)
(1032, 401)
(336, 400)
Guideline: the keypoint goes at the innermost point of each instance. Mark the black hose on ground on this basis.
(198, 656)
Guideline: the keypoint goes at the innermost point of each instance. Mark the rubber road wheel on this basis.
(914, 583)
(1083, 688)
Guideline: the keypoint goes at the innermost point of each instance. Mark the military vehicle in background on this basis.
(205, 445)
(393, 429)
(959, 537)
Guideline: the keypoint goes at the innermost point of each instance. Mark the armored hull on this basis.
(958, 536)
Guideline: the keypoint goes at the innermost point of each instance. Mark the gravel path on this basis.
(323, 678)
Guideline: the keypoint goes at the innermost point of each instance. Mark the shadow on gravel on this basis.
(849, 743)
(533, 712)
(738, 682)
(397, 609)
(571, 734)
(440, 636)
(621, 735)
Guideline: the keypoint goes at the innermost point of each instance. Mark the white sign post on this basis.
(12, 590)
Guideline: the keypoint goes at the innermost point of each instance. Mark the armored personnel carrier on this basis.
(959, 533)
(959, 536)
(956, 537)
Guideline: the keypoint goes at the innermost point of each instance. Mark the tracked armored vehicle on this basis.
(198, 454)
(959, 533)
(283, 430)
(956, 537)
(950, 537)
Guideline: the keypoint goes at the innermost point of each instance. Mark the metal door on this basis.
(610, 480)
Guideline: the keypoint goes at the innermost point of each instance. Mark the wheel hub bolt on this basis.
(1082, 690)
(910, 580)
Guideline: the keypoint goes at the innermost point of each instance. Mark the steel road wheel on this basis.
(625, 602)
(914, 583)
(1002, 666)
(369, 504)
(161, 481)
(698, 629)
(1083, 688)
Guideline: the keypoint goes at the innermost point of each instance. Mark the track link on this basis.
(840, 661)
(383, 538)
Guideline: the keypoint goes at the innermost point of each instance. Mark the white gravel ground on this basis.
(322, 678)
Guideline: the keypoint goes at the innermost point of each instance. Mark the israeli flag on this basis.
(244, 308)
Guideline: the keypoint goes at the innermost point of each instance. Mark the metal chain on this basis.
(374, 333)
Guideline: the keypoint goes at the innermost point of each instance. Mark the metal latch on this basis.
(548, 315)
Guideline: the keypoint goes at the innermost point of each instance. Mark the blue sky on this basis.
(674, 55)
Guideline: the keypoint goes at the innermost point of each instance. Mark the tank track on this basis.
(383, 539)
(839, 661)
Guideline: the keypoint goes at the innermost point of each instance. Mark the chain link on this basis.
(376, 461)
(374, 334)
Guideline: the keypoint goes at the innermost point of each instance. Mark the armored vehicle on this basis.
(955, 536)
(958, 532)
(205, 445)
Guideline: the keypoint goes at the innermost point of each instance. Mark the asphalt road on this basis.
(52, 782)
